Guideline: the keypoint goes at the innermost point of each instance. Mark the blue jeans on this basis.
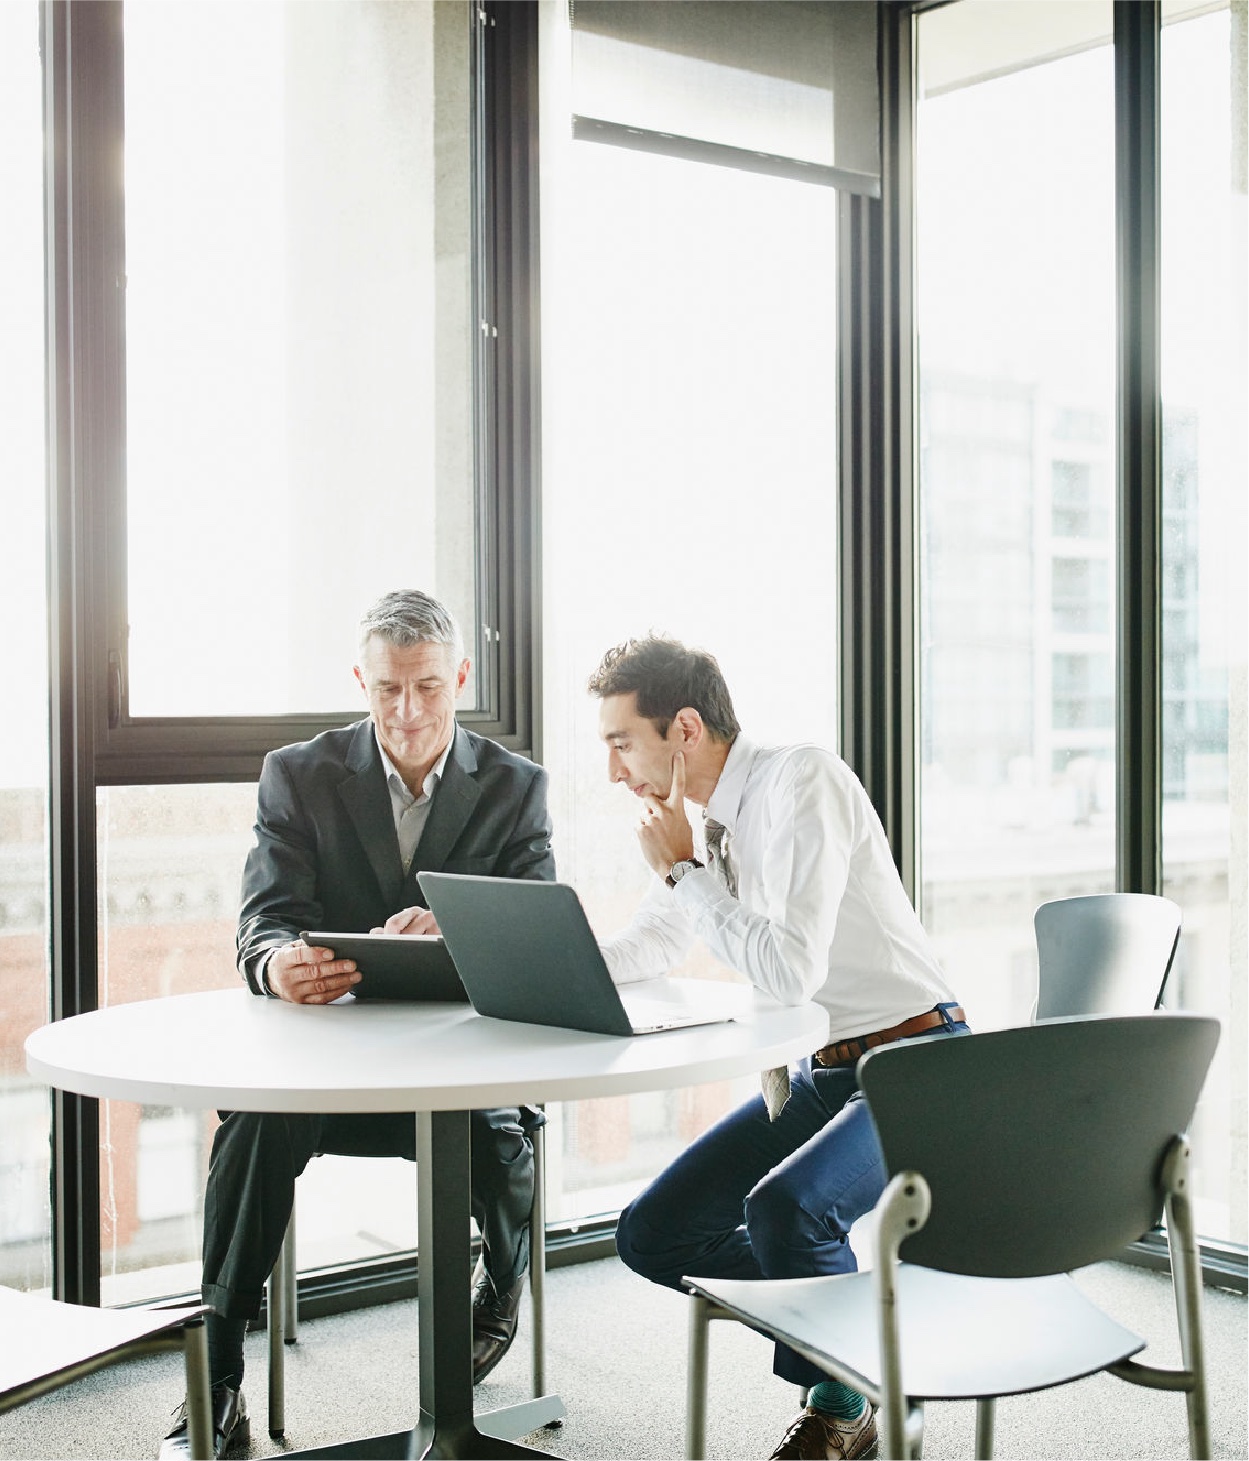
(754, 1198)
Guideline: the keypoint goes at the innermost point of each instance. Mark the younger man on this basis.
(789, 880)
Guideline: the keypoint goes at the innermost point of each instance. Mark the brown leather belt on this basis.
(846, 1052)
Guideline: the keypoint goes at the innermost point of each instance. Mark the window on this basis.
(1015, 300)
(278, 420)
(689, 390)
(169, 860)
(1203, 556)
(299, 328)
(24, 1110)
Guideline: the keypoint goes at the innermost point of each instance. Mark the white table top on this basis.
(232, 1050)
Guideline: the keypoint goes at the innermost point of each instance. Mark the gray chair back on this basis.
(1105, 954)
(1041, 1144)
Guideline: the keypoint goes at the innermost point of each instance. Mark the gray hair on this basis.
(406, 617)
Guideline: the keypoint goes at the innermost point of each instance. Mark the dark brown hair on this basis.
(666, 676)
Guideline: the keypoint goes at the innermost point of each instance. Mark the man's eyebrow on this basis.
(616, 735)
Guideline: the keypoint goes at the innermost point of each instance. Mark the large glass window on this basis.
(24, 1107)
(169, 861)
(1204, 604)
(299, 328)
(689, 474)
(298, 409)
(1015, 262)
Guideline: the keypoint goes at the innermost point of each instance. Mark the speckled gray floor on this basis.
(616, 1355)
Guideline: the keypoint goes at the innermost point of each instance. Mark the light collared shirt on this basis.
(820, 911)
(410, 812)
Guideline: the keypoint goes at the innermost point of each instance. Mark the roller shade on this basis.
(779, 86)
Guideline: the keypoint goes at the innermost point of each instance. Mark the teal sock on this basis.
(831, 1397)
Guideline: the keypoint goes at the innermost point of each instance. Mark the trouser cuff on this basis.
(229, 1303)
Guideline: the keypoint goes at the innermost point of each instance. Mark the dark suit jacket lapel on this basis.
(364, 795)
(452, 806)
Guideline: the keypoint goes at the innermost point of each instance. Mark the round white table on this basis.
(229, 1050)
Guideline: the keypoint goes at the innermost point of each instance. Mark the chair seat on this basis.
(41, 1337)
(961, 1338)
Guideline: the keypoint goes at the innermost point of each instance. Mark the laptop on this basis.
(408, 966)
(525, 951)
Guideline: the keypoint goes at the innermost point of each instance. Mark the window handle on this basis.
(114, 689)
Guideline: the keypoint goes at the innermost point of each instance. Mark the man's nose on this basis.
(615, 767)
(409, 705)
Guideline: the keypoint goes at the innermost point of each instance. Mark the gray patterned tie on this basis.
(775, 1083)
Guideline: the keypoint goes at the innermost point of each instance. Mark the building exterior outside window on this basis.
(1017, 502)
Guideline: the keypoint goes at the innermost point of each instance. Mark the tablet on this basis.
(408, 966)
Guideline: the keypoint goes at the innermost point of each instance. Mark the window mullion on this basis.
(1137, 44)
(84, 286)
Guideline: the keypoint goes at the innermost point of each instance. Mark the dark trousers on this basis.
(754, 1198)
(251, 1190)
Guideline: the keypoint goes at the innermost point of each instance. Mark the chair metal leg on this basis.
(902, 1209)
(199, 1409)
(1186, 1281)
(282, 1295)
(915, 1430)
(696, 1379)
(985, 1414)
(290, 1277)
(537, 1260)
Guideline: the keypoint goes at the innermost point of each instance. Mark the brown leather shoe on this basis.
(814, 1436)
(494, 1321)
(231, 1426)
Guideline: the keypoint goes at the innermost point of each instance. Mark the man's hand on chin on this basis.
(665, 834)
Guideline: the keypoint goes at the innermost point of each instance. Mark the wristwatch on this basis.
(678, 870)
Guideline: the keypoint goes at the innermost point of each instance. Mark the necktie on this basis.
(717, 854)
(775, 1083)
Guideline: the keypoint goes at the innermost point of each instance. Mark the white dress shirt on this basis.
(411, 812)
(820, 913)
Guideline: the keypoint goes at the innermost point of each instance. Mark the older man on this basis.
(344, 824)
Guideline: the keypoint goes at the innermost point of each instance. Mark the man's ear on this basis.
(689, 726)
(355, 670)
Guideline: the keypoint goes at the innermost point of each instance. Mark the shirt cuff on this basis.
(698, 886)
(262, 973)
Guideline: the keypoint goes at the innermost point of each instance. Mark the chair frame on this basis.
(1097, 916)
(903, 1211)
(905, 1208)
(175, 1329)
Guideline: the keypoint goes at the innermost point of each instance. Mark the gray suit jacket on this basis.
(326, 854)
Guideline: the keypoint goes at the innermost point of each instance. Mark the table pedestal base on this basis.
(493, 1434)
(447, 1424)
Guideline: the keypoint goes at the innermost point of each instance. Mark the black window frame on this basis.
(94, 740)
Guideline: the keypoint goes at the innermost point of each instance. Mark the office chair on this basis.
(1016, 1156)
(1107, 953)
(45, 1345)
(283, 1294)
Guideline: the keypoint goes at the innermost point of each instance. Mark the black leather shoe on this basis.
(494, 1321)
(231, 1427)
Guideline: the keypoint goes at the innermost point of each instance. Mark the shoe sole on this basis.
(868, 1451)
(494, 1363)
(240, 1437)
